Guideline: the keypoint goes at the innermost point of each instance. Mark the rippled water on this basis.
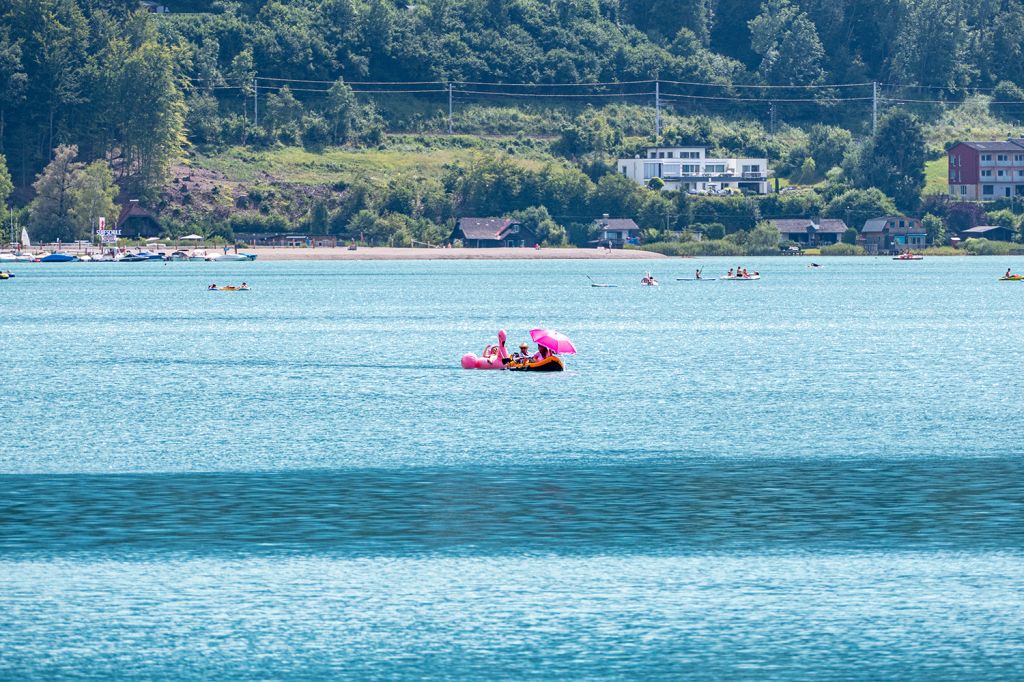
(814, 475)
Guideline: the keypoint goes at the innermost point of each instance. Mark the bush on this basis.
(256, 222)
(316, 132)
(943, 251)
(984, 247)
(1010, 100)
(711, 247)
(842, 249)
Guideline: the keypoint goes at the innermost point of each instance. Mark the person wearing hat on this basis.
(523, 355)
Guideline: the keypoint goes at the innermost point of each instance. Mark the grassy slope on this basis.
(935, 181)
(418, 156)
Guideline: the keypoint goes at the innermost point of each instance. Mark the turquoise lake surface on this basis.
(813, 476)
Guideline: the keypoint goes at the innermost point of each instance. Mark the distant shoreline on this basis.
(269, 253)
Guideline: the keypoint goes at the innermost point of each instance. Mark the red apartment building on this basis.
(983, 171)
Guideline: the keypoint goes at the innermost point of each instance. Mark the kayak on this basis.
(1012, 278)
(649, 283)
(230, 289)
(551, 363)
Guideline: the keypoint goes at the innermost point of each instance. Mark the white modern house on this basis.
(690, 168)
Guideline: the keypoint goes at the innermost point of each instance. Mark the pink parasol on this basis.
(556, 342)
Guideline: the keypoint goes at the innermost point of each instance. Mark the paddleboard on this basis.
(605, 286)
(694, 279)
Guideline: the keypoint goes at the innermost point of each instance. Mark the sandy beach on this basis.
(265, 253)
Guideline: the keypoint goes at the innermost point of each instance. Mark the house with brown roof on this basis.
(135, 222)
(616, 232)
(811, 232)
(892, 234)
(493, 232)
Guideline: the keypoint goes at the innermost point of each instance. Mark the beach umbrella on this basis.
(192, 238)
(153, 239)
(556, 342)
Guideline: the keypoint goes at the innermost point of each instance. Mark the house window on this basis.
(986, 174)
(952, 161)
(651, 170)
(986, 157)
(986, 189)
(963, 189)
(691, 168)
(1020, 174)
(1000, 173)
(1018, 158)
(652, 155)
(625, 171)
(1002, 157)
(513, 229)
(714, 168)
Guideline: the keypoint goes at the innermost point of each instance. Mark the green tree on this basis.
(856, 206)
(150, 123)
(6, 187)
(50, 215)
(341, 111)
(893, 159)
(1007, 101)
(827, 145)
(282, 109)
(92, 195)
(12, 77)
(539, 221)
(788, 43)
(763, 240)
(929, 50)
(935, 227)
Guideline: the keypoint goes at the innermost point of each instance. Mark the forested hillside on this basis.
(568, 82)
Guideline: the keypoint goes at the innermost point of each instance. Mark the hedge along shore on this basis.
(386, 253)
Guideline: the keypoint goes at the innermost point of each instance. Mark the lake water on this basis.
(817, 475)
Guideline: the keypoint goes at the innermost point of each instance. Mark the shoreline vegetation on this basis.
(727, 247)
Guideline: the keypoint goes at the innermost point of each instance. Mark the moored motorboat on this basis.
(58, 257)
(133, 258)
(908, 256)
(178, 256)
(229, 257)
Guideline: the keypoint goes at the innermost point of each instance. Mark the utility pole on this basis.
(771, 113)
(874, 107)
(449, 108)
(657, 109)
(255, 102)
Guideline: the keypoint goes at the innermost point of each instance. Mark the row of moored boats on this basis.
(120, 257)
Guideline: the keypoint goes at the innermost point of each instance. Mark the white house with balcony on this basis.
(690, 168)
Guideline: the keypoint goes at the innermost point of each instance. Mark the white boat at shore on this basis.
(228, 257)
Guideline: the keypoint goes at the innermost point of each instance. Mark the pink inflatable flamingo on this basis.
(493, 356)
